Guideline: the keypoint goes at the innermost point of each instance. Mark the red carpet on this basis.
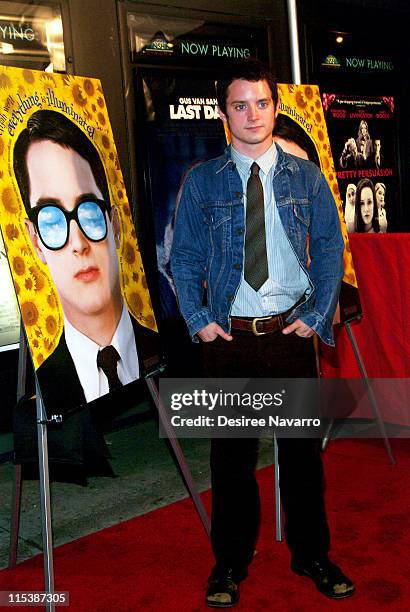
(160, 561)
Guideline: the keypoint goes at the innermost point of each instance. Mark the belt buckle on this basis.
(255, 321)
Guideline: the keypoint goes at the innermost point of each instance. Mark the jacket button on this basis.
(238, 194)
(239, 231)
(230, 298)
(237, 266)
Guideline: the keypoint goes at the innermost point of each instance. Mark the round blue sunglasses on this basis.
(52, 222)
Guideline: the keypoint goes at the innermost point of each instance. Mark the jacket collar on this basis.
(284, 160)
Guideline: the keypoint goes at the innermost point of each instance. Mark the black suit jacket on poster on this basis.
(60, 386)
(77, 447)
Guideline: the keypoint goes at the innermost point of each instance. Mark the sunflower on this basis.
(88, 87)
(47, 81)
(28, 76)
(9, 201)
(113, 176)
(19, 266)
(48, 344)
(106, 143)
(78, 96)
(300, 100)
(29, 313)
(101, 119)
(51, 325)
(51, 300)
(129, 253)
(12, 231)
(136, 303)
(38, 277)
(309, 93)
(21, 90)
(5, 80)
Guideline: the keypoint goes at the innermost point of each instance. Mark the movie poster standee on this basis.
(77, 269)
(45, 496)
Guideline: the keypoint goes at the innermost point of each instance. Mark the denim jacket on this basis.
(208, 245)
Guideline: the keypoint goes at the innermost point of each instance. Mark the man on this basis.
(75, 233)
(353, 154)
(263, 327)
(378, 156)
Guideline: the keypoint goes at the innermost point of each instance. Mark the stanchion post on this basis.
(17, 483)
(45, 498)
(185, 471)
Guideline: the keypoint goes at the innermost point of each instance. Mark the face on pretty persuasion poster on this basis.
(69, 234)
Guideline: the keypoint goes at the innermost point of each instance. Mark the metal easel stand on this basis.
(45, 503)
(45, 497)
(278, 505)
(176, 448)
(17, 484)
(373, 403)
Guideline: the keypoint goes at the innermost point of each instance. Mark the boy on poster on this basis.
(79, 247)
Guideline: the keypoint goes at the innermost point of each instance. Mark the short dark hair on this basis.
(249, 70)
(53, 126)
(288, 129)
(359, 225)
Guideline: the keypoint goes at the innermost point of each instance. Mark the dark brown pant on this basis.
(235, 494)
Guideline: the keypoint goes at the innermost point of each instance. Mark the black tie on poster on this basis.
(107, 361)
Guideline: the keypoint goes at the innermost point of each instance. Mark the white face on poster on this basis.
(86, 273)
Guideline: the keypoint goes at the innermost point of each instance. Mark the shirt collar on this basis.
(266, 161)
(84, 351)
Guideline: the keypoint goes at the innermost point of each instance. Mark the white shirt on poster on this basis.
(84, 354)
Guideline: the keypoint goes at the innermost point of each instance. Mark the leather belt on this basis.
(260, 326)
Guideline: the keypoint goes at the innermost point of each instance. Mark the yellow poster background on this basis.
(23, 92)
(302, 103)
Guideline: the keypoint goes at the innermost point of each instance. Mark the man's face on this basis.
(85, 273)
(250, 114)
(377, 145)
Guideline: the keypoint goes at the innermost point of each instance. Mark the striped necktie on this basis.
(256, 259)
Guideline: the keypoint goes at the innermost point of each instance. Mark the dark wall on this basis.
(97, 48)
(378, 29)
